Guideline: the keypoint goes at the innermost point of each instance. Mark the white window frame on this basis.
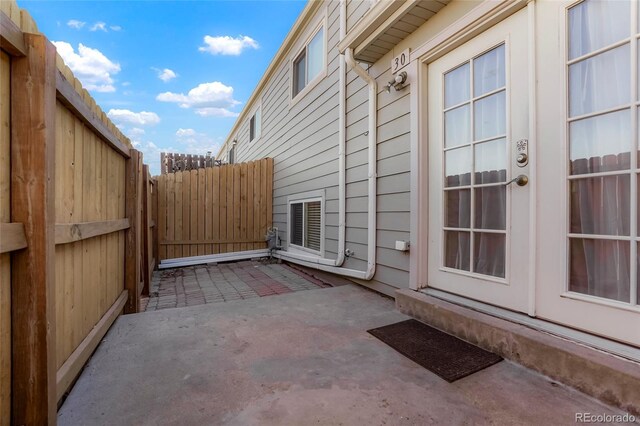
(231, 151)
(306, 197)
(257, 111)
(295, 98)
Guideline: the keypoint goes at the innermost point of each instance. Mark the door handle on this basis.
(520, 180)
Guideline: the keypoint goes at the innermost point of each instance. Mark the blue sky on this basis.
(173, 75)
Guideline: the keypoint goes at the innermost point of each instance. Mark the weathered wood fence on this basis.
(215, 210)
(77, 228)
(172, 162)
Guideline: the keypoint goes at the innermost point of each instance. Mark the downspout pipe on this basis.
(342, 165)
(319, 263)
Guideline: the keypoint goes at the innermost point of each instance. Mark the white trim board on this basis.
(211, 258)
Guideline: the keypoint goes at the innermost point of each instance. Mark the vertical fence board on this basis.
(154, 215)
(33, 269)
(146, 279)
(215, 211)
(208, 203)
(236, 206)
(132, 248)
(78, 297)
(193, 210)
(171, 194)
(179, 218)
(250, 213)
(186, 212)
(200, 207)
(243, 206)
(5, 259)
(230, 211)
(162, 215)
(258, 198)
(223, 208)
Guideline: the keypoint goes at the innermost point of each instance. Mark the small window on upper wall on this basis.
(232, 155)
(309, 63)
(255, 125)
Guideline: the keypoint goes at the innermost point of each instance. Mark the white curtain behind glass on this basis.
(600, 143)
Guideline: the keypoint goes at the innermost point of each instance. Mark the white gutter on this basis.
(333, 265)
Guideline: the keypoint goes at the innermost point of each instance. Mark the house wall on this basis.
(356, 9)
(302, 138)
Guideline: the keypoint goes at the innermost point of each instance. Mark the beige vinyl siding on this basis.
(302, 138)
(356, 9)
(393, 181)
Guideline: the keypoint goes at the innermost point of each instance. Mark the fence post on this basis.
(146, 250)
(132, 241)
(154, 215)
(33, 114)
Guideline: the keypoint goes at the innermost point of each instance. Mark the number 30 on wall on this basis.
(400, 61)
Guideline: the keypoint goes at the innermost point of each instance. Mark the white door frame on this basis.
(470, 25)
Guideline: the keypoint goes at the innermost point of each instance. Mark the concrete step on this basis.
(609, 378)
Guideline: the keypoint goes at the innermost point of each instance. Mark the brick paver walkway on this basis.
(197, 285)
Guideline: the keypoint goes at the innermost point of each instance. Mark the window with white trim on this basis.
(305, 224)
(309, 63)
(255, 125)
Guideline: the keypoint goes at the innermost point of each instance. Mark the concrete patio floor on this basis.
(298, 359)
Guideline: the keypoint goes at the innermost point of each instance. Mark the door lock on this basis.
(520, 180)
(522, 152)
(522, 158)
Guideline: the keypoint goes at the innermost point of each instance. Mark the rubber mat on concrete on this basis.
(439, 352)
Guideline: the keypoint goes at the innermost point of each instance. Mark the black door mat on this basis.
(439, 352)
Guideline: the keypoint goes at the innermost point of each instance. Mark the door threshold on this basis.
(612, 347)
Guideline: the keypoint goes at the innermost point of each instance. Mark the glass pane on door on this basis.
(602, 201)
(475, 165)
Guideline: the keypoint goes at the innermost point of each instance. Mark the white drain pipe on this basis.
(329, 265)
(342, 166)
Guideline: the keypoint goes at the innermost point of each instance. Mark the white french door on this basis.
(588, 166)
(479, 223)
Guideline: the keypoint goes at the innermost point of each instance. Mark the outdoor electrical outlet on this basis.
(402, 245)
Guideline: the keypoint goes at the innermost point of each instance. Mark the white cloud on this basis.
(185, 132)
(99, 26)
(135, 132)
(126, 84)
(207, 99)
(216, 112)
(74, 23)
(192, 142)
(166, 74)
(227, 45)
(91, 66)
(115, 27)
(125, 116)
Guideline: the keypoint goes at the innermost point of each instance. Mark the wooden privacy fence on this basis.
(215, 210)
(75, 221)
